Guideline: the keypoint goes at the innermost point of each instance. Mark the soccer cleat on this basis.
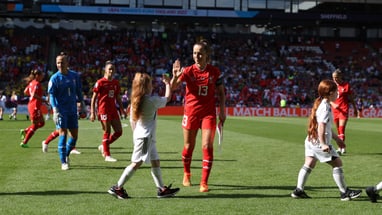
(75, 152)
(65, 166)
(372, 194)
(299, 194)
(22, 134)
(44, 147)
(110, 159)
(118, 192)
(203, 188)
(100, 148)
(24, 145)
(350, 194)
(167, 192)
(186, 180)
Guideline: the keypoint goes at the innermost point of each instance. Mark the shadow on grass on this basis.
(87, 167)
(51, 193)
(96, 147)
(229, 193)
(143, 167)
(232, 191)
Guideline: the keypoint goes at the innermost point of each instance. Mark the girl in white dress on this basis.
(143, 113)
(318, 146)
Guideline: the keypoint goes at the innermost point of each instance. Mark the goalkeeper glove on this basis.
(56, 115)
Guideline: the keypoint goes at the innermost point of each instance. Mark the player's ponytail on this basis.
(32, 75)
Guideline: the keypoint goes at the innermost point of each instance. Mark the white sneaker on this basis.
(64, 166)
(44, 147)
(100, 148)
(75, 152)
(110, 159)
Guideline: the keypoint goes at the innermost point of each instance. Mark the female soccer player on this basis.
(143, 113)
(14, 101)
(203, 82)
(35, 92)
(106, 92)
(3, 99)
(125, 102)
(64, 91)
(340, 107)
(318, 146)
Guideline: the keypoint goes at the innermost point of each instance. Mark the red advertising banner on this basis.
(246, 111)
(274, 112)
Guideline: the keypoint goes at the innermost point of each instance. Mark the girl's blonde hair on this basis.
(141, 87)
(325, 89)
(337, 73)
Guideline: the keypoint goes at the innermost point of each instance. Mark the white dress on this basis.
(144, 130)
(312, 148)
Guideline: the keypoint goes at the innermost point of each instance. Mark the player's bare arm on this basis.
(92, 107)
(321, 137)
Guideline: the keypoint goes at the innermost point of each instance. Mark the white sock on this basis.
(126, 175)
(157, 176)
(303, 176)
(338, 175)
(378, 187)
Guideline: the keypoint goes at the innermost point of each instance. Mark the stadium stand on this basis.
(283, 62)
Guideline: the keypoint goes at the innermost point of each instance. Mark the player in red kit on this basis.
(340, 106)
(35, 92)
(106, 93)
(203, 82)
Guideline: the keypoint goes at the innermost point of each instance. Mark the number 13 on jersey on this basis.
(203, 90)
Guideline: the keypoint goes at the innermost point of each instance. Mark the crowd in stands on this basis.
(259, 70)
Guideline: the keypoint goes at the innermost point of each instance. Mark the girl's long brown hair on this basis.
(140, 88)
(33, 74)
(325, 89)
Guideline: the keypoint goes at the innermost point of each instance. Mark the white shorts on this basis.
(314, 150)
(144, 150)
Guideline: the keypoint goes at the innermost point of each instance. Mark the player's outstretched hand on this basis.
(176, 69)
(166, 78)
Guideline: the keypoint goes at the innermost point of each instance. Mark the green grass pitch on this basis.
(253, 174)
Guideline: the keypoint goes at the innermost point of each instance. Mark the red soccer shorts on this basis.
(35, 114)
(195, 122)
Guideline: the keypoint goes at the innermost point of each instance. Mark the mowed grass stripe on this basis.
(254, 173)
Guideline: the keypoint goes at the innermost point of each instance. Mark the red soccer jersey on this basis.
(342, 100)
(34, 88)
(200, 90)
(107, 93)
